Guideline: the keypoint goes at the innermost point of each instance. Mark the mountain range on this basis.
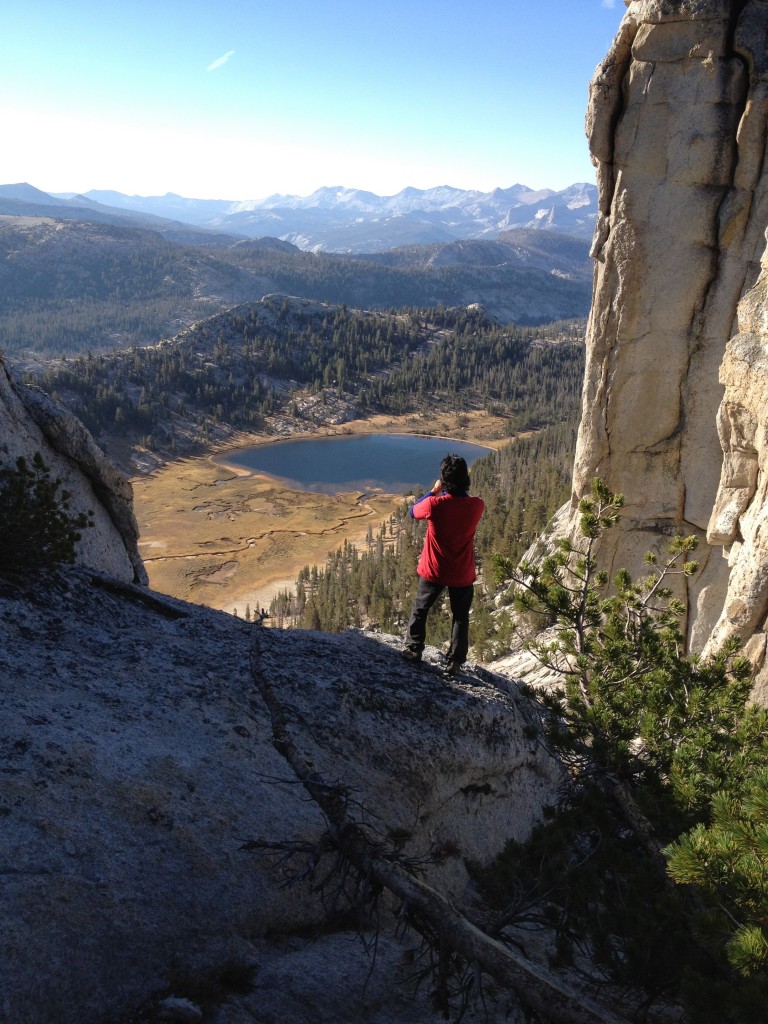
(331, 219)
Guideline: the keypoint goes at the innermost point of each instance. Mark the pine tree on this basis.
(38, 530)
(728, 861)
(662, 748)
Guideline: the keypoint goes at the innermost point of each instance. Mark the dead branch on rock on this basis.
(165, 606)
(449, 931)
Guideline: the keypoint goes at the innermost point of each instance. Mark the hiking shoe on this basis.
(411, 655)
(453, 668)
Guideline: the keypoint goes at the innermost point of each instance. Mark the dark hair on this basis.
(454, 474)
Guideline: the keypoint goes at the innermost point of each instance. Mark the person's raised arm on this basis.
(423, 513)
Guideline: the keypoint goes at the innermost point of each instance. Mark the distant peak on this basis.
(23, 190)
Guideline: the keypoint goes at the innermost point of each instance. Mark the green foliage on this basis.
(728, 860)
(661, 747)
(647, 714)
(584, 878)
(38, 530)
(230, 370)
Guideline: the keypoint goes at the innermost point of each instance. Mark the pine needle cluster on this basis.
(39, 531)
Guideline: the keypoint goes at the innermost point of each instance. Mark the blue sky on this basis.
(240, 99)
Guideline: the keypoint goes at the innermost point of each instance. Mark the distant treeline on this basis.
(229, 371)
(405, 281)
(70, 286)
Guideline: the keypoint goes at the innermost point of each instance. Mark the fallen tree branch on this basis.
(165, 606)
(551, 999)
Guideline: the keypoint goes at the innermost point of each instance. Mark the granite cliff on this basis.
(32, 422)
(677, 129)
(738, 520)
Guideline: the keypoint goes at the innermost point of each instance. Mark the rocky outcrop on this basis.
(147, 794)
(739, 518)
(32, 422)
(138, 761)
(677, 128)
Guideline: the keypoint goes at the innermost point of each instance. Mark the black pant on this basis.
(461, 601)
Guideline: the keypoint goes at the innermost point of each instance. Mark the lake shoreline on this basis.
(220, 457)
(214, 533)
(363, 463)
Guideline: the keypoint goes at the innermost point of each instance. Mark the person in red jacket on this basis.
(447, 559)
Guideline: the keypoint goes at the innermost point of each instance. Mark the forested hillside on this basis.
(523, 279)
(311, 363)
(71, 286)
(68, 287)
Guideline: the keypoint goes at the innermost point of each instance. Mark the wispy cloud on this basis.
(220, 61)
(608, 3)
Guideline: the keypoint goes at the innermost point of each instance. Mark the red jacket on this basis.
(448, 555)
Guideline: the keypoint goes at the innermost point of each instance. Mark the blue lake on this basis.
(394, 463)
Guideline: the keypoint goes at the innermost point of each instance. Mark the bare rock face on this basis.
(739, 518)
(139, 760)
(32, 422)
(677, 125)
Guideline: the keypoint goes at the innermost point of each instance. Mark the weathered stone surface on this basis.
(32, 422)
(674, 40)
(137, 759)
(739, 519)
(335, 980)
(677, 126)
(657, 12)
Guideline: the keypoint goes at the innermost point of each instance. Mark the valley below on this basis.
(214, 535)
(287, 368)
